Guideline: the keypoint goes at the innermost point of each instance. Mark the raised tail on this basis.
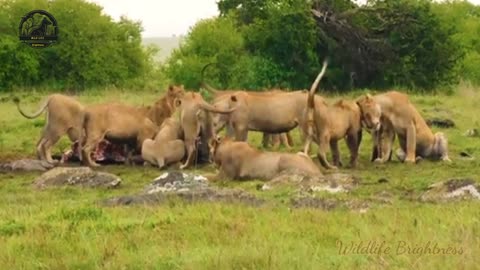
(204, 84)
(44, 105)
(311, 108)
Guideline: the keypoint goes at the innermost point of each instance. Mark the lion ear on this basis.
(234, 98)
(170, 87)
(368, 96)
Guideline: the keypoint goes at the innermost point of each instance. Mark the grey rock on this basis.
(472, 133)
(451, 190)
(79, 176)
(332, 183)
(187, 187)
(440, 122)
(26, 165)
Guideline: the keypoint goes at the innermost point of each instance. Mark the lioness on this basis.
(64, 116)
(326, 124)
(115, 122)
(221, 100)
(238, 160)
(396, 114)
(164, 107)
(167, 147)
(195, 119)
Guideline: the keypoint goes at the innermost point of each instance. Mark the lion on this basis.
(167, 147)
(164, 107)
(117, 123)
(221, 100)
(196, 122)
(64, 116)
(325, 124)
(394, 114)
(240, 161)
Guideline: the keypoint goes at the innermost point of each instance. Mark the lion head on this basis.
(371, 112)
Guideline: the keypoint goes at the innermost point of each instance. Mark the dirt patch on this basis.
(79, 176)
(186, 187)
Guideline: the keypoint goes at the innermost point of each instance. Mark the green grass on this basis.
(66, 228)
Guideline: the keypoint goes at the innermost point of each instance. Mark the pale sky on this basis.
(164, 18)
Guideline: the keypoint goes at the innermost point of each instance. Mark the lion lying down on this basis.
(239, 161)
(167, 147)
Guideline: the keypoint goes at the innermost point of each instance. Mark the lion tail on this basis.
(311, 106)
(207, 87)
(44, 105)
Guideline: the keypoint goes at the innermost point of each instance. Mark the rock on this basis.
(472, 133)
(382, 180)
(26, 165)
(313, 202)
(383, 196)
(332, 183)
(81, 176)
(188, 187)
(329, 204)
(175, 181)
(453, 189)
(466, 155)
(441, 122)
(204, 195)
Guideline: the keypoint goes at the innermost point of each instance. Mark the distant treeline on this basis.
(256, 44)
(415, 44)
(92, 50)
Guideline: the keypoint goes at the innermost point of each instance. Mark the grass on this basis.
(65, 228)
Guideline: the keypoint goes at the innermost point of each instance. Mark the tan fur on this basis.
(167, 147)
(395, 111)
(164, 107)
(115, 122)
(331, 124)
(276, 113)
(222, 101)
(326, 124)
(275, 140)
(195, 116)
(238, 160)
(64, 116)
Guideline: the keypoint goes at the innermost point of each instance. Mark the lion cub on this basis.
(238, 160)
(167, 147)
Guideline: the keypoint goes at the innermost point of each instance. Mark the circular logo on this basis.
(38, 29)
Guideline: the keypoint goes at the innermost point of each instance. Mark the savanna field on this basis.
(429, 47)
(66, 228)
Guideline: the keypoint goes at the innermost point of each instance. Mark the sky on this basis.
(165, 18)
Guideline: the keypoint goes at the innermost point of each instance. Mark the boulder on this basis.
(187, 187)
(26, 165)
(332, 183)
(441, 122)
(76, 176)
(452, 190)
